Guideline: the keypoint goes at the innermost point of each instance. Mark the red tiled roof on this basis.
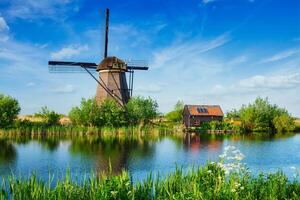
(212, 110)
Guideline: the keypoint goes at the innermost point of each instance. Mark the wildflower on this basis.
(293, 168)
(233, 190)
(208, 171)
(242, 188)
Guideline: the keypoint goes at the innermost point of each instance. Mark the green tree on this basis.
(88, 114)
(260, 115)
(284, 122)
(9, 110)
(111, 114)
(49, 116)
(176, 114)
(141, 110)
(233, 114)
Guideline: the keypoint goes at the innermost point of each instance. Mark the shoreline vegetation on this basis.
(225, 179)
(141, 115)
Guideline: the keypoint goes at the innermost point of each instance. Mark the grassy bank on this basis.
(40, 130)
(208, 182)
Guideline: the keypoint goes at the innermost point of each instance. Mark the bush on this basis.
(283, 123)
(88, 114)
(261, 115)
(49, 117)
(141, 110)
(110, 114)
(176, 114)
(138, 110)
(9, 110)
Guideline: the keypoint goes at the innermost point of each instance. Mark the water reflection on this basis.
(8, 152)
(142, 154)
(50, 144)
(112, 153)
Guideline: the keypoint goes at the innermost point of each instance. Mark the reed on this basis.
(206, 182)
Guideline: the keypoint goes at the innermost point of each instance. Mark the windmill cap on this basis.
(112, 63)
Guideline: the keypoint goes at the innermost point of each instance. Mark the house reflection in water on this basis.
(194, 142)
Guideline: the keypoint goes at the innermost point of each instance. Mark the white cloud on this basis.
(187, 52)
(150, 88)
(3, 25)
(281, 56)
(4, 28)
(34, 9)
(69, 52)
(65, 89)
(30, 84)
(257, 83)
(272, 82)
(207, 1)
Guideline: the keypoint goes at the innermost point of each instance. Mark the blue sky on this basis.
(224, 52)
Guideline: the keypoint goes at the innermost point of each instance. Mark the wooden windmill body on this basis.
(112, 72)
(112, 82)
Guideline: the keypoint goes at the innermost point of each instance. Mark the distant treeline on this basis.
(138, 111)
(263, 116)
(260, 115)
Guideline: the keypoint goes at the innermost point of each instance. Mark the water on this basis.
(141, 155)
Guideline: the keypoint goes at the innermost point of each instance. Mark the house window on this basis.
(197, 122)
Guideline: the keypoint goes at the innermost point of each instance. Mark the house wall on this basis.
(194, 121)
(197, 120)
(186, 117)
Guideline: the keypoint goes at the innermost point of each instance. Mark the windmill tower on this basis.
(112, 81)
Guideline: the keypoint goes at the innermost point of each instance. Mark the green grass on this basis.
(207, 182)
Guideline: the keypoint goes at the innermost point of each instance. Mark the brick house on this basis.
(194, 115)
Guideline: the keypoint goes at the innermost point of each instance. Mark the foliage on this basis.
(284, 123)
(260, 116)
(50, 117)
(176, 114)
(110, 114)
(207, 182)
(90, 113)
(141, 110)
(9, 110)
(218, 125)
(233, 114)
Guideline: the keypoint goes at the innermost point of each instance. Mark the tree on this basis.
(49, 117)
(176, 114)
(111, 114)
(284, 122)
(88, 114)
(233, 114)
(260, 116)
(9, 110)
(141, 110)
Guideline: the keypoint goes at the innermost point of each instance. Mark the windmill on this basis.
(111, 82)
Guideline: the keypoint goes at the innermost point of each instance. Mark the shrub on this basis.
(283, 123)
(49, 117)
(141, 110)
(176, 114)
(260, 116)
(9, 110)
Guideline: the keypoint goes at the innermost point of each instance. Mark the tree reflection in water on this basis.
(8, 152)
(113, 153)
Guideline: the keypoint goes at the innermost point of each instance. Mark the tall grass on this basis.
(75, 131)
(207, 182)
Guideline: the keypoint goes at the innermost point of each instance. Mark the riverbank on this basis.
(207, 182)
